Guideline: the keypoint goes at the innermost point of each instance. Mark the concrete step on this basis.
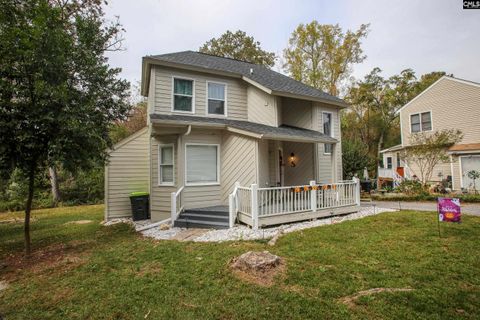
(192, 223)
(204, 217)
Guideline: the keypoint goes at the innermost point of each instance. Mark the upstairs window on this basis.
(216, 98)
(421, 122)
(182, 95)
(327, 130)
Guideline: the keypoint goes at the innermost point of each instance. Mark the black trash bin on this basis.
(140, 205)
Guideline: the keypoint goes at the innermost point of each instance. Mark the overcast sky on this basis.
(426, 35)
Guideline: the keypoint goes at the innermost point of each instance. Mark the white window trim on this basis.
(331, 129)
(173, 95)
(213, 183)
(160, 183)
(391, 162)
(420, 115)
(461, 169)
(206, 100)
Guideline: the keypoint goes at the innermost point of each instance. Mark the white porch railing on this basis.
(176, 204)
(266, 202)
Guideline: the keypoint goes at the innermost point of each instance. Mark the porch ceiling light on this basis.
(291, 160)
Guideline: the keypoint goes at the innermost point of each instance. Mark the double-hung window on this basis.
(203, 165)
(327, 130)
(183, 95)
(389, 163)
(216, 98)
(421, 122)
(165, 164)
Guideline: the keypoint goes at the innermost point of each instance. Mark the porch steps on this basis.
(209, 218)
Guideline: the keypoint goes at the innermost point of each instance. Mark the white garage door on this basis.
(470, 163)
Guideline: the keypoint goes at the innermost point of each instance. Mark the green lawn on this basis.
(93, 272)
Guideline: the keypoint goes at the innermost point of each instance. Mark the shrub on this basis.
(411, 187)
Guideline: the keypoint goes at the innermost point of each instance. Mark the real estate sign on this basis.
(448, 209)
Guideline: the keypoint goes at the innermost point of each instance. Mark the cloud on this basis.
(423, 35)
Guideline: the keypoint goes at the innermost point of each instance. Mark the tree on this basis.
(322, 55)
(239, 46)
(137, 120)
(354, 158)
(429, 149)
(474, 175)
(58, 95)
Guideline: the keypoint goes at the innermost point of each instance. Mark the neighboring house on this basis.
(220, 128)
(449, 103)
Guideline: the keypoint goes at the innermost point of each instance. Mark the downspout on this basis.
(181, 156)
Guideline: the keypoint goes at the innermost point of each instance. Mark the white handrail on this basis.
(233, 205)
(176, 204)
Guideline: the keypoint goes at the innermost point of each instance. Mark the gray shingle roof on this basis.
(274, 81)
(267, 132)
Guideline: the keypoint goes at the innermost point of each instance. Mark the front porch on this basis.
(262, 207)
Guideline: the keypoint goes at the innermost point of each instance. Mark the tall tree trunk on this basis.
(54, 183)
(379, 148)
(28, 209)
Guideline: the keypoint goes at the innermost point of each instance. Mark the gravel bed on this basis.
(242, 232)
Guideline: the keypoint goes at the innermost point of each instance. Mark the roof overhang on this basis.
(148, 62)
(392, 149)
(466, 148)
(172, 124)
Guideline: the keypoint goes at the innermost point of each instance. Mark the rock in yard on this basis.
(256, 261)
(164, 226)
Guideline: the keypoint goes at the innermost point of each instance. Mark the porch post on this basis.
(357, 190)
(254, 206)
(173, 200)
(313, 197)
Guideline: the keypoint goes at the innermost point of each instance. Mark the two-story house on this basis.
(449, 103)
(224, 133)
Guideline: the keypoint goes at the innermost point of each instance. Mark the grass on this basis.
(88, 271)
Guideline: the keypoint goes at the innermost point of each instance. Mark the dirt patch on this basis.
(17, 220)
(79, 222)
(65, 256)
(260, 268)
(350, 301)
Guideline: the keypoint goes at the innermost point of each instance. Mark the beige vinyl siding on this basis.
(126, 172)
(262, 107)
(160, 194)
(236, 92)
(457, 173)
(207, 195)
(263, 164)
(238, 162)
(442, 168)
(302, 173)
(327, 162)
(454, 105)
(297, 113)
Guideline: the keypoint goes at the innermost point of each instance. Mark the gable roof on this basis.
(261, 131)
(268, 80)
(467, 82)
